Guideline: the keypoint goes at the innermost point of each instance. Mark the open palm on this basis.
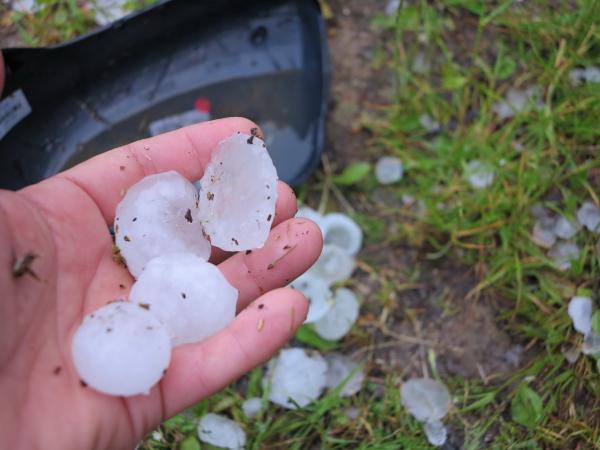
(56, 266)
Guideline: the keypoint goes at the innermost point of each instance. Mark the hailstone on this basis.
(426, 399)
(317, 293)
(336, 323)
(190, 296)
(333, 265)
(580, 310)
(339, 367)
(158, 215)
(252, 406)
(222, 432)
(342, 231)
(311, 214)
(121, 349)
(588, 216)
(296, 377)
(238, 194)
(388, 170)
(563, 253)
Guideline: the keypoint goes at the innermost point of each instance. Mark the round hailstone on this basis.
(580, 311)
(310, 214)
(542, 235)
(159, 214)
(563, 253)
(426, 399)
(333, 265)
(343, 232)
(388, 170)
(588, 216)
(317, 293)
(339, 367)
(239, 189)
(565, 228)
(436, 432)
(479, 175)
(220, 431)
(121, 349)
(296, 378)
(190, 296)
(339, 319)
(252, 407)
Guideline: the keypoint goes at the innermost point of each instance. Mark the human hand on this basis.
(56, 266)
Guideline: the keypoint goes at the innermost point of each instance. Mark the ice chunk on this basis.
(392, 7)
(238, 193)
(589, 216)
(516, 101)
(218, 430)
(333, 265)
(436, 433)
(563, 253)
(565, 228)
(591, 344)
(296, 377)
(388, 170)
(543, 236)
(121, 349)
(339, 367)
(158, 215)
(310, 214)
(428, 123)
(190, 296)
(580, 311)
(252, 407)
(478, 174)
(108, 11)
(589, 74)
(336, 323)
(339, 229)
(426, 399)
(317, 293)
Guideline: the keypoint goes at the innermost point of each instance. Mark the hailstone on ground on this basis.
(317, 293)
(220, 431)
(388, 170)
(588, 216)
(158, 215)
(543, 235)
(121, 349)
(563, 253)
(565, 228)
(190, 296)
(341, 231)
(339, 367)
(436, 432)
(333, 265)
(238, 194)
(580, 311)
(296, 378)
(478, 174)
(339, 319)
(252, 406)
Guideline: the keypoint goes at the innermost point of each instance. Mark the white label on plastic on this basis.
(177, 121)
(13, 109)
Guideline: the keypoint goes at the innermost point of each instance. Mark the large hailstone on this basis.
(341, 231)
(238, 194)
(222, 432)
(580, 312)
(296, 378)
(190, 296)
(121, 349)
(317, 293)
(336, 323)
(339, 368)
(333, 265)
(158, 215)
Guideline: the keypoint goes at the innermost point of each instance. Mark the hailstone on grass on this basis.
(339, 368)
(336, 323)
(296, 377)
(252, 406)
(333, 265)
(220, 431)
(588, 216)
(341, 231)
(317, 293)
(158, 215)
(565, 228)
(189, 295)
(426, 399)
(238, 194)
(436, 432)
(388, 170)
(478, 174)
(121, 349)
(580, 311)
(563, 253)
(542, 235)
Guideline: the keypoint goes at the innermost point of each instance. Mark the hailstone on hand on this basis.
(121, 349)
(238, 193)
(190, 296)
(317, 293)
(336, 323)
(310, 214)
(341, 231)
(158, 215)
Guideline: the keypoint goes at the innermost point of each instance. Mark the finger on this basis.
(285, 209)
(106, 177)
(199, 370)
(293, 246)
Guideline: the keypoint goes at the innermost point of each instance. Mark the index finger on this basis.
(106, 177)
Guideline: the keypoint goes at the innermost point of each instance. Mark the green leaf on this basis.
(352, 174)
(452, 80)
(526, 407)
(505, 67)
(189, 443)
(596, 322)
(307, 335)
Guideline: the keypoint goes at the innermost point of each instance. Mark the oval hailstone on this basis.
(121, 349)
(339, 319)
(542, 235)
(388, 170)
(158, 215)
(436, 433)
(588, 216)
(343, 232)
(190, 296)
(333, 265)
(317, 293)
(220, 431)
(297, 376)
(252, 406)
(426, 399)
(339, 367)
(565, 228)
(238, 194)
(580, 312)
